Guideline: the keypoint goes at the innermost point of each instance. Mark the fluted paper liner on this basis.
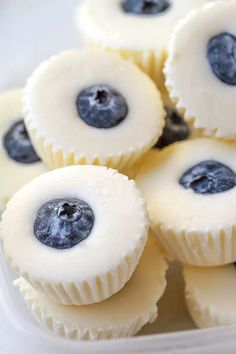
(199, 248)
(204, 313)
(122, 315)
(54, 156)
(203, 316)
(88, 292)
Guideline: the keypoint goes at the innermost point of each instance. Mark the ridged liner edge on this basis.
(198, 248)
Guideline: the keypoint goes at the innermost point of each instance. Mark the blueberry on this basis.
(17, 144)
(209, 177)
(175, 130)
(221, 54)
(145, 7)
(101, 106)
(63, 223)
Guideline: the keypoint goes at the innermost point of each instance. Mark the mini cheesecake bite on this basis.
(18, 159)
(85, 232)
(209, 294)
(201, 68)
(190, 189)
(121, 315)
(139, 30)
(88, 107)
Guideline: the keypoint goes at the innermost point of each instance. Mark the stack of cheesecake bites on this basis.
(118, 157)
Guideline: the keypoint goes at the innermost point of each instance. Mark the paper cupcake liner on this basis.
(149, 61)
(206, 248)
(91, 291)
(54, 156)
(203, 314)
(83, 322)
(48, 321)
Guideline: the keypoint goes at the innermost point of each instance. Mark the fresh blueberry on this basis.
(145, 7)
(17, 144)
(175, 130)
(209, 177)
(101, 106)
(63, 223)
(221, 54)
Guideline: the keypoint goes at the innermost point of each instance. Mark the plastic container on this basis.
(31, 31)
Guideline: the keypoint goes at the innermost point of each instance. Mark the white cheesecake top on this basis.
(106, 23)
(170, 204)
